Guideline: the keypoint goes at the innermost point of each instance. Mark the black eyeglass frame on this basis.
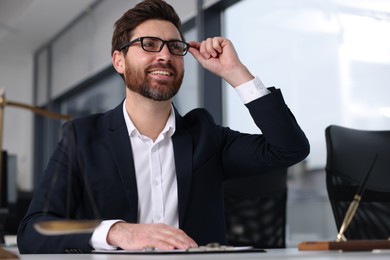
(141, 39)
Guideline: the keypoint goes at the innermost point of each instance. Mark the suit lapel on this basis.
(118, 140)
(182, 146)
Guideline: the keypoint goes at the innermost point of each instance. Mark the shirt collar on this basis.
(168, 130)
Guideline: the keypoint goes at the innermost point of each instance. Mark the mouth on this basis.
(161, 72)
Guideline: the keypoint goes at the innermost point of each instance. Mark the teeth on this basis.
(160, 72)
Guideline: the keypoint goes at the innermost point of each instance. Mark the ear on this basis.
(118, 61)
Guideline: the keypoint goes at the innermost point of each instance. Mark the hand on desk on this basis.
(139, 236)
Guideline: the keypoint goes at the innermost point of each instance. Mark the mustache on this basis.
(167, 66)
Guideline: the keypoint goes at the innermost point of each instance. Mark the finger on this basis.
(217, 44)
(159, 244)
(183, 239)
(169, 243)
(209, 50)
(194, 45)
(213, 46)
(175, 237)
(194, 50)
(203, 50)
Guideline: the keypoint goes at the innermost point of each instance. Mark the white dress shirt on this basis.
(155, 174)
(155, 170)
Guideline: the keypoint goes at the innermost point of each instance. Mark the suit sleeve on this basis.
(281, 144)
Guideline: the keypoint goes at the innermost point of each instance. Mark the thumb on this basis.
(194, 50)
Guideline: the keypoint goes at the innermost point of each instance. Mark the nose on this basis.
(165, 54)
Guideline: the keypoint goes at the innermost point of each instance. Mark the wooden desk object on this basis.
(351, 245)
(7, 255)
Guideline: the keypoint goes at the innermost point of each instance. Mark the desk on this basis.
(275, 254)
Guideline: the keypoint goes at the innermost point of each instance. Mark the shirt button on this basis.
(155, 183)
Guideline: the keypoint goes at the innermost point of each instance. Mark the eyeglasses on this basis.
(154, 44)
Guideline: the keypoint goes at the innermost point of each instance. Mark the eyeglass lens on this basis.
(155, 45)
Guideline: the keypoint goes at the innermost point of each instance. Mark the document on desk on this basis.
(197, 250)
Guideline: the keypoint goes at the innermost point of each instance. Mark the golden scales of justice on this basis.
(61, 227)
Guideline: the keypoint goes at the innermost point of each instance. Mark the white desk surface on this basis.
(289, 253)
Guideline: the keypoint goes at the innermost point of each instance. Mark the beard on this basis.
(159, 90)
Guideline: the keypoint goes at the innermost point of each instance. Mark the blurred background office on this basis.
(331, 58)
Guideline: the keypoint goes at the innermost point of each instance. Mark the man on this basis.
(155, 176)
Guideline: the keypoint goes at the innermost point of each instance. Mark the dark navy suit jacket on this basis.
(97, 148)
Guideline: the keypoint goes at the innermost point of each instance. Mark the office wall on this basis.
(84, 49)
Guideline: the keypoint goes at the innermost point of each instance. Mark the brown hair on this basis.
(146, 10)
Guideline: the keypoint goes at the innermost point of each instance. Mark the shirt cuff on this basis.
(99, 236)
(251, 90)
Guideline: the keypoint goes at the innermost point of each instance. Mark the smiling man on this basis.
(156, 176)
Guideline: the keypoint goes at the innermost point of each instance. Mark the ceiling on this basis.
(25, 25)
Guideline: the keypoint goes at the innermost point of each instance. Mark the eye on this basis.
(176, 46)
(151, 44)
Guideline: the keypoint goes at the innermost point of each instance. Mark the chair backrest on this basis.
(350, 153)
(255, 210)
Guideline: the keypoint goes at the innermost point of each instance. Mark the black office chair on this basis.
(255, 210)
(350, 153)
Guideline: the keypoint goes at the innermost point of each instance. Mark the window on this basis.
(330, 59)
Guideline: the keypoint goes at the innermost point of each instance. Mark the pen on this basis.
(354, 204)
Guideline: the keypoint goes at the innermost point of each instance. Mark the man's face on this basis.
(154, 75)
